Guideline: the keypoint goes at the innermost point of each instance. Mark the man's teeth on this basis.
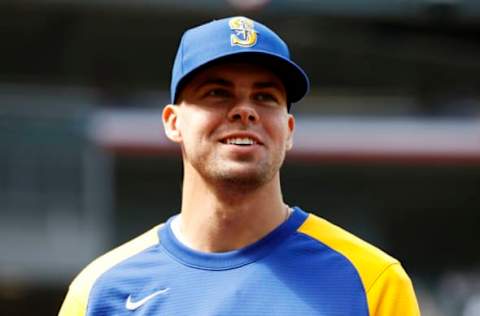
(240, 141)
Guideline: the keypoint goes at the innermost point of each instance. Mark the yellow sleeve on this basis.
(72, 306)
(392, 294)
(76, 301)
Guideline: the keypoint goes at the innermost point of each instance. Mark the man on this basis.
(236, 248)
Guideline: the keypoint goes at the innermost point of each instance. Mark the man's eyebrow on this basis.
(214, 81)
(268, 84)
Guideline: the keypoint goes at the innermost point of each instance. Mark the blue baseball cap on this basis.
(236, 39)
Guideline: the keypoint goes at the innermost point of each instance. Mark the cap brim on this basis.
(294, 78)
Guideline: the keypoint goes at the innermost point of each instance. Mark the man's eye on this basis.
(265, 97)
(218, 93)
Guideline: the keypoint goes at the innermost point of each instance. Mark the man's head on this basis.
(236, 39)
(230, 113)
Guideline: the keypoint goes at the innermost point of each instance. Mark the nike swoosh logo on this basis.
(130, 305)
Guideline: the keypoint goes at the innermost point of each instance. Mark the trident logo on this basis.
(244, 33)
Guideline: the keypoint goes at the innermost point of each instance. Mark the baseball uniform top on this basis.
(306, 266)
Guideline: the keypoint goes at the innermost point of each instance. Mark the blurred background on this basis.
(387, 146)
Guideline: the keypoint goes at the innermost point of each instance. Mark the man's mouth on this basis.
(239, 141)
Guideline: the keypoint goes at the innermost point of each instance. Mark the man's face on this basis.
(232, 124)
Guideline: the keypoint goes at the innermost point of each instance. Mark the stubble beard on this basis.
(241, 176)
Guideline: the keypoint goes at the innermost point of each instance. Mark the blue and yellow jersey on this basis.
(306, 266)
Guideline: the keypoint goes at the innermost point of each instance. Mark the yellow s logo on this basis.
(244, 33)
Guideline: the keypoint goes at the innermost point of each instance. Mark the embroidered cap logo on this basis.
(244, 33)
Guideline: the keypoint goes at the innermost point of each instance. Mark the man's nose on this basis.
(244, 112)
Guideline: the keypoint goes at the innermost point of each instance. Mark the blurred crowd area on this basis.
(387, 142)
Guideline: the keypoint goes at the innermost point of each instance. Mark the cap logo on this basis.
(243, 32)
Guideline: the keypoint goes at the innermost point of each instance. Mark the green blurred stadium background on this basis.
(388, 144)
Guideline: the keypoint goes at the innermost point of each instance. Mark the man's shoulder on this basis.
(369, 261)
(84, 281)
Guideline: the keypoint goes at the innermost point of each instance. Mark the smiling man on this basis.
(236, 248)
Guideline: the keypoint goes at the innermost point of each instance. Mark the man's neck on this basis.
(221, 218)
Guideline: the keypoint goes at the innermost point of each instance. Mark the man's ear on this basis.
(171, 123)
(291, 129)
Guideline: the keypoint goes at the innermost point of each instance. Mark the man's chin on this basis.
(243, 177)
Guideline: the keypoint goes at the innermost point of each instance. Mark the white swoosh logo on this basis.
(134, 305)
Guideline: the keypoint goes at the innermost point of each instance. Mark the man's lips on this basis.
(241, 139)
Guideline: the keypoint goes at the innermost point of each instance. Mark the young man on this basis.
(236, 248)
